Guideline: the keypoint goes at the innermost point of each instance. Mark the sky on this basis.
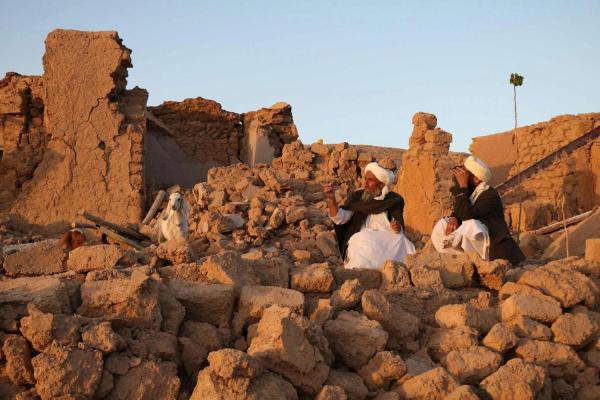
(353, 71)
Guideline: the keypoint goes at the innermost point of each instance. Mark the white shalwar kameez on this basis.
(471, 235)
(376, 242)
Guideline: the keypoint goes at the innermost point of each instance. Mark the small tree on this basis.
(517, 80)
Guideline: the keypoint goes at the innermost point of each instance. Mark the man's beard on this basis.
(367, 195)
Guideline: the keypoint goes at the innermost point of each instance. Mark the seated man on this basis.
(370, 226)
(477, 221)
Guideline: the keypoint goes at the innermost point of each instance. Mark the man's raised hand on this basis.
(329, 191)
(396, 226)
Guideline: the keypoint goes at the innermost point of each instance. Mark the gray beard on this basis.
(367, 196)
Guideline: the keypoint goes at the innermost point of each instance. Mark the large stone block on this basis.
(130, 302)
(42, 258)
(203, 302)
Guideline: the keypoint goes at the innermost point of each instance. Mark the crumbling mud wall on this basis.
(23, 138)
(94, 159)
(185, 139)
(426, 176)
(266, 131)
(573, 178)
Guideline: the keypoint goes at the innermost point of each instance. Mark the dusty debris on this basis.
(257, 304)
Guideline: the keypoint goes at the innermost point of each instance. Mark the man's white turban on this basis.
(478, 168)
(383, 175)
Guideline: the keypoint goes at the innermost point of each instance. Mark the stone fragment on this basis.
(500, 339)
(426, 278)
(394, 277)
(592, 250)
(525, 327)
(204, 334)
(102, 337)
(567, 286)
(384, 368)
(351, 382)
(330, 392)
(49, 294)
(322, 312)
(117, 363)
(457, 315)
(574, 329)
(548, 354)
(212, 303)
(176, 251)
(443, 340)
(67, 371)
(471, 365)
(354, 338)
(132, 302)
(283, 347)
(42, 258)
(312, 278)
(42, 329)
(434, 384)
(543, 310)
(463, 392)
(271, 272)
(193, 354)
(295, 213)
(491, 273)
(171, 310)
(327, 244)
(456, 270)
(89, 258)
(107, 383)
(515, 380)
(18, 360)
(394, 319)
(347, 296)
(234, 375)
(368, 278)
(149, 380)
(255, 299)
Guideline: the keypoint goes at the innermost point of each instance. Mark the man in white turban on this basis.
(477, 222)
(370, 226)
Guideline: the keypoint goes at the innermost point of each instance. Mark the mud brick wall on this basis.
(23, 138)
(94, 159)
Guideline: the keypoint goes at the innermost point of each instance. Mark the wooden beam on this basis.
(117, 228)
(120, 238)
(160, 196)
(566, 222)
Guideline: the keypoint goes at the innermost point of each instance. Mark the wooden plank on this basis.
(83, 225)
(160, 196)
(561, 224)
(117, 228)
(120, 238)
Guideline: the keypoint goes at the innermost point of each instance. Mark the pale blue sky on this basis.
(353, 71)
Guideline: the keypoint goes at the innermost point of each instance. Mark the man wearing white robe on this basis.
(373, 222)
(477, 222)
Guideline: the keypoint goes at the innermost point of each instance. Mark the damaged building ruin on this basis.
(90, 143)
(257, 304)
(76, 138)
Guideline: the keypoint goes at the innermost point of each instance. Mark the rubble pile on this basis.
(257, 305)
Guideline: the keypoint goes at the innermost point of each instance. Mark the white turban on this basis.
(383, 175)
(478, 168)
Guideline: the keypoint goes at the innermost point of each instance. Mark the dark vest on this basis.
(392, 203)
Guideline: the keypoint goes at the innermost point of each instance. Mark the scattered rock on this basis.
(43, 258)
(433, 384)
(149, 380)
(500, 339)
(384, 368)
(471, 365)
(312, 278)
(573, 329)
(355, 338)
(515, 380)
(394, 319)
(89, 258)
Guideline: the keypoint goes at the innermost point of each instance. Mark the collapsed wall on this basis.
(94, 159)
(23, 138)
(426, 175)
(185, 139)
(574, 178)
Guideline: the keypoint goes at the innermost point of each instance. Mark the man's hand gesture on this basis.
(396, 226)
(452, 225)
